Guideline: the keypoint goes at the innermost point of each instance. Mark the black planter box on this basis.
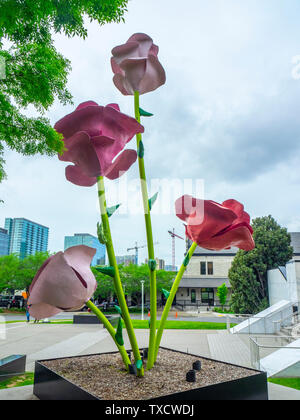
(12, 366)
(92, 319)
(49, 385)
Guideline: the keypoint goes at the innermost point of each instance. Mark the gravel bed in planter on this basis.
(104, 376)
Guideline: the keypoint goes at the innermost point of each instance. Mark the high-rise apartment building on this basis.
(4, 242)
(26, 237)
(88, 240)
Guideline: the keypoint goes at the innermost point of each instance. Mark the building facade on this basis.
(284, 282)
(126, 259)
(26, 237)
(4, 242)
(88, 240)
(160, 264)
(206, 271)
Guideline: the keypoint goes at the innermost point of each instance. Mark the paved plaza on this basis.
(43, 341)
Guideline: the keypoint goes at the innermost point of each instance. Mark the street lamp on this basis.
(142, 281)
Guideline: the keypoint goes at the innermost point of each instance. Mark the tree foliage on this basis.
(222, 293)
(131, 277)
(32, 72)
(16, 274)
(248, 273)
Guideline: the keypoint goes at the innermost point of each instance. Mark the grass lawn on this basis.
(289, 382)
(182, 325)
(139, 324)
(16, 381)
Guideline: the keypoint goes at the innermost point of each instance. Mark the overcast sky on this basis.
(228, 115)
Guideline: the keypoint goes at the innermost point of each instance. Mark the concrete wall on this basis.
(221, 266)
(278, 287)
(285, 288)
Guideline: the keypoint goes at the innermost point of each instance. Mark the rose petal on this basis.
(238, 208)
(82, 152)
(88, 119)
(77, 177)
(135, 69)
(239, 237)
(80, 258)
(144, 41)
(121, 164)
(114, 106)
(39, 272)
(85, 104)
(106, 149)
(122, 52)
(120, 83)
(58, 285)
(119, 126)
(43, 310)
(154, 77)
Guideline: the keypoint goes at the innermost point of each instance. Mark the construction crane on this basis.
(173, 236)
(136, 248)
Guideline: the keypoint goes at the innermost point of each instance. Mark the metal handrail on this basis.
(287, 317)
(255, 348)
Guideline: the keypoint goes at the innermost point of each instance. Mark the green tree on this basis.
(32, 72)
(248, 273)
(27, 269)
(9, 265)
(222, 293)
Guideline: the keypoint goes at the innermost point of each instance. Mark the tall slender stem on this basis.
(153, 291)
(117, 280)
(172, 296)
(111, 331)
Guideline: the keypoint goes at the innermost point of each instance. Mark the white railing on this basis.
(259, 348)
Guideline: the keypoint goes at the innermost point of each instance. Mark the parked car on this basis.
(5, 300)
(16, 302)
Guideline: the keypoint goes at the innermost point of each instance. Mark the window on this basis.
(203, 268)
(193, 296)
(210, 268)
(207, 296)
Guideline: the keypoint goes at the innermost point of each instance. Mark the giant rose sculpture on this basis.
(95, 139)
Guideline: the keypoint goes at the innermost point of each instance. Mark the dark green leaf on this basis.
(152, 264)
(141, 150)
(145, 113)
(152, 200)
(166, 293)
(186, 260)
(101, 234)
(139, 364)
(109, 271)
(119, 333)
(110, 211)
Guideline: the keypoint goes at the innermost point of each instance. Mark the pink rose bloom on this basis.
(64, 282)
(94, 136)
(215, 226)
(136, 66)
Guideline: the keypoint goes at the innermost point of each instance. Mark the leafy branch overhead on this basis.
(33, 72)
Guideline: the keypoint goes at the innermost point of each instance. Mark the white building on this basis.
(206, 271)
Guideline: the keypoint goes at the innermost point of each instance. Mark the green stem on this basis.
(153, 291)
(172, 296)
(111, 331)
(117, 280)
